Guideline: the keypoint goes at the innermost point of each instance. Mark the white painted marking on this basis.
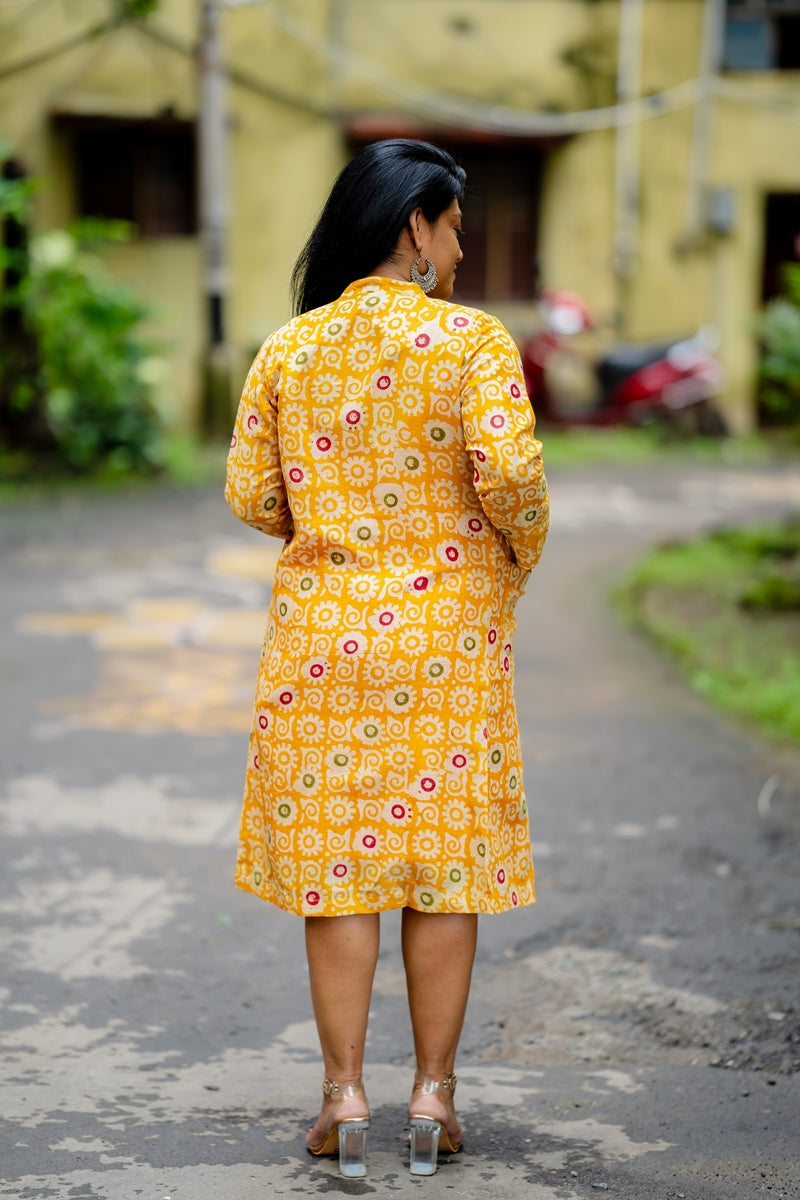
(658, 942)
(630, 830)
(610, 1140)
(619, 1081)
(87, 926)
(148, 809)
(764, 801)
(579, 505)
(605, 979)
(667, 822)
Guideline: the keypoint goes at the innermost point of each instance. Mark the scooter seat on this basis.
(626, 358)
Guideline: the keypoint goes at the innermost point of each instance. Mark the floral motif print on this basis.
(388, 438)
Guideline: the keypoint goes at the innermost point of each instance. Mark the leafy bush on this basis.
(778, 329)
(77, 376)
(775, 593)
(97, 372)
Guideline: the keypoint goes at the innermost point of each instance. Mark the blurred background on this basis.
(634, 218)
(634, 162)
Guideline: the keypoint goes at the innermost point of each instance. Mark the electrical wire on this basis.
(43, 56)
(780, 105)
(436, 107)
(242, 78)
(458, 111)
(463, 112)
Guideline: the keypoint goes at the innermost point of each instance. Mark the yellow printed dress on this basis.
(388, 438)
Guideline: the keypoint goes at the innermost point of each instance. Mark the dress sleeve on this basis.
(254, 486)
(498, 424)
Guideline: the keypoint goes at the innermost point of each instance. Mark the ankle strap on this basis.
(426, 1086)
(342, 1091)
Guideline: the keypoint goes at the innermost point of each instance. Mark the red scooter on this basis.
(673, 381)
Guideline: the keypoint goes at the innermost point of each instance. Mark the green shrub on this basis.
(778, 330)
(78, 377)
(97, 372)
(762, 541)
(775, 593)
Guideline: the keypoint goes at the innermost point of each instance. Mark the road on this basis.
(636, 1033)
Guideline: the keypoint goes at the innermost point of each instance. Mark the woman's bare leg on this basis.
(438, 953)
(342, 953)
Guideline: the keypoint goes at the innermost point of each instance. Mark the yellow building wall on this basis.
(577, 220)
(679, 287)
(282, 166)
(283, 161)
(501, 52)
(287, 144)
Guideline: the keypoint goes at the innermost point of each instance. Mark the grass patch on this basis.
(190, 462)
(727, 608)
(618, 444)
(193, 463)
(184, 461)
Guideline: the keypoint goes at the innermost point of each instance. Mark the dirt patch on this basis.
(597, 1006)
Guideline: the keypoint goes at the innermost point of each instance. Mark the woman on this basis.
(387, 437)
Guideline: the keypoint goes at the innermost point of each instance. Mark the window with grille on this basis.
(135, 170)
(762, 35)
(501, 216)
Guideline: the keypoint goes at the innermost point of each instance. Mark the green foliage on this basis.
(134, 10)
(778, 329)
(195, 463)
(761, 541)
(757, 567)
(775, 593)
(97, 372)
(15, 203)
(790, 276)
(78, 378)
(15, 196)
(771, 699)
(727, 608)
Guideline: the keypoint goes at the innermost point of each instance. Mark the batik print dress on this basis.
(388, 438)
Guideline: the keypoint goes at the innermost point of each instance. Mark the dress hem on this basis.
(495, 910)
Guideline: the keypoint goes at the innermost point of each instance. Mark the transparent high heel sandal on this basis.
(348, 1137)
(429, 1136)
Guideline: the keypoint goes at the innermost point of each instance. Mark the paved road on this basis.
(635, 1033)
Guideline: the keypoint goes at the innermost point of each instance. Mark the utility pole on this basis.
(337, 66)
(626, 173)
(213, 180)
(702, 132)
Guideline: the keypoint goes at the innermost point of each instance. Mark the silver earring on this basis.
(429, 280)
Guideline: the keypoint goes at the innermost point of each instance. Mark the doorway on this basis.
(781, 240)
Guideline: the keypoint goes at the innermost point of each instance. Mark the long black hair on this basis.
(364, 215)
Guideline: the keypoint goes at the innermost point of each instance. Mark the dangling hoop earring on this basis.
(429, 280)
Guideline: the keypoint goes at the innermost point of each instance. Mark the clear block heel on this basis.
(431, 1134)
(347, 1136)
(424, 1145)
(353, 1148)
